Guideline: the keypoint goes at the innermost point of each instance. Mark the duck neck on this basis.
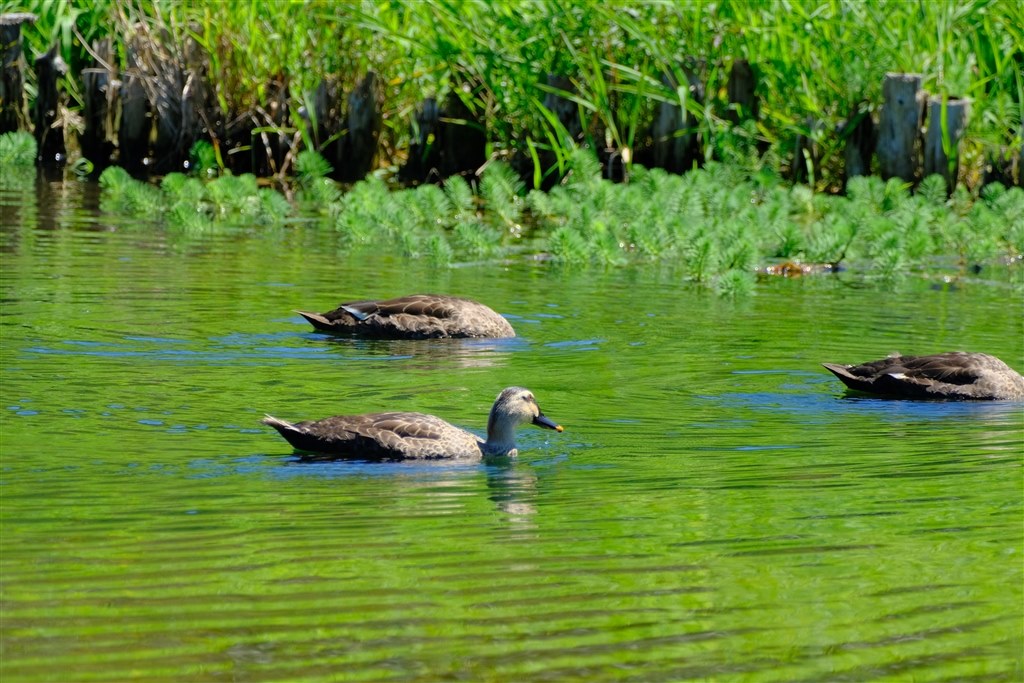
(501, 436)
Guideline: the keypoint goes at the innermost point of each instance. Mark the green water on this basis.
(717, 508)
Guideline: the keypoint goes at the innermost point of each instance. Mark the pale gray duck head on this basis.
(514, 406)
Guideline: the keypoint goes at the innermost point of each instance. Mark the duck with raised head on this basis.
(956, 375)
(417, 316)
(415, 436)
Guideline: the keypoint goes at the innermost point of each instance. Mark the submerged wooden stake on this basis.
(860, 135)
(947, 119)
(49, 130)
(424, 160)
(136, 123)
(567, 111)
(899, 127)
(463, 138)
(363, 125)
(270, 144)
(676, 144)
(13, 115)
(742, 90)
(1005, 165)
(98, 91)
(807, 154)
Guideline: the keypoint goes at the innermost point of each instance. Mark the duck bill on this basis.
(542, 421)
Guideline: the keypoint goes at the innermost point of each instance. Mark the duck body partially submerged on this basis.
(417, 316)
(956, 375)
(415, 436)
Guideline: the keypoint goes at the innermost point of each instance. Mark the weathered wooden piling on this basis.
(565, 110)
(742, 92)
(324, 121)
(806, 164)
(95, 140)
(899, 126)
(1005, 165)
(363, 122)
(448, 141)
(270, 145)
(98, 92)
(136, 120)
(178, 91)
(424, 161)
(13, 112)
(947, 119)
(49, 130)
(860, 137)
(676, 143)
(463, 137)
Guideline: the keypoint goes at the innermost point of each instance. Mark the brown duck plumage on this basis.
(415, 436)
(417, 316)
(954, 375)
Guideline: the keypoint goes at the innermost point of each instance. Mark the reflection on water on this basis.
(457, 353)
(718, 507)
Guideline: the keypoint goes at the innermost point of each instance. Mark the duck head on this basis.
(513, 407)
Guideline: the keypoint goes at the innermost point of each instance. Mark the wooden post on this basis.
(363, 124)
(899, 127)
(463, 137)
(946, 122)
(270, 147)
(1005, 166)
(424, 159)
(806, 153)
(136, 123)
(742, 92)
(200, 113)
(326, 134)
(171, 127)
(859, 133)
(98, 89)
(566, 110)
(49, 134)
(676, 143)
(95, 139)
(13, 115)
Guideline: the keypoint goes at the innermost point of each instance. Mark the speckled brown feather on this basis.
(381, 435)
(417, 316)
(954, 375)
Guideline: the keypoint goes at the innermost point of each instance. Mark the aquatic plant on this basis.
(123, 194)
(716, 226)
(735, 283)
(817, 63)
(17, 148)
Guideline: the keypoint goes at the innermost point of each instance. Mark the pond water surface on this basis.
(716, 509)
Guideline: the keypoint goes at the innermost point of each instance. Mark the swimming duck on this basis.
(416, 436)
(417, 316)
(955, 375)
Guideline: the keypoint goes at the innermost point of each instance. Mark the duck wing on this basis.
(395, 435)
(417, 316)
(943, 375)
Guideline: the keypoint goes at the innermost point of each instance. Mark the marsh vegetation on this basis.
(816, 69)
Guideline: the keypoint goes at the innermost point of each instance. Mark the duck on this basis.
(957, 375)
(416, 316)
(416, 436)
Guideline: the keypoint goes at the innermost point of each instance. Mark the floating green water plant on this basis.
(17, 149)
(715, 225)
(187, 202)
